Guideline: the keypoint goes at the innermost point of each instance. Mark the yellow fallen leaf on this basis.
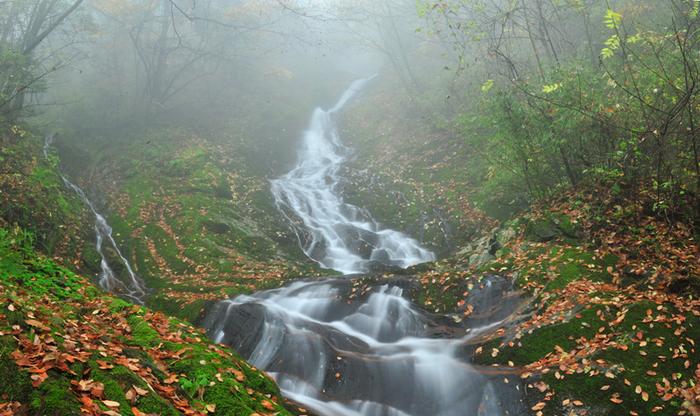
(110, 403)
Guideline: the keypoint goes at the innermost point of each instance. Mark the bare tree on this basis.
(26, 24)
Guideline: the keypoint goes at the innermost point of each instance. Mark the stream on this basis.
(352, 347)
(129, 286)
(337, 235)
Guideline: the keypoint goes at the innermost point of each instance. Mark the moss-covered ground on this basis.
(611, 321)
(194, 216)
(66, 348)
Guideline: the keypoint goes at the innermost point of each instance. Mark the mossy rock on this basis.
(550, 227)
(541, 230)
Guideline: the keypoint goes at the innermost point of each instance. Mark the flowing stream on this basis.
(341, 349)
(131, 286)
(337, 235)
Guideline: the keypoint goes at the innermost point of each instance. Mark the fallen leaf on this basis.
(37, 324)
(110, 403)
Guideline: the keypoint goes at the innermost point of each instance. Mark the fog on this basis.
(207, 64)
(392, 207)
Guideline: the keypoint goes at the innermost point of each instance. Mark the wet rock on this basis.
(481, 251)
(242, 325)
(505, 235)
(349, 346)
(381, 267)
(493, 300)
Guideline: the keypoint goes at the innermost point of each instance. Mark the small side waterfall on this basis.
(131, 286)
(336, 234)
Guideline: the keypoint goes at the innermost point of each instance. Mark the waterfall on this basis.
(131, 287)
(374, 356)
(337, 235)
(339, 352)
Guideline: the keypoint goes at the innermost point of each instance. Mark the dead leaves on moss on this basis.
(10, 408)
(103, 337)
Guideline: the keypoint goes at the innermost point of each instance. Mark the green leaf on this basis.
(611, 45)
(551, 88)
(487, 86)
(612, 19)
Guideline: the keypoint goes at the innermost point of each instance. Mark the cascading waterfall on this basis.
(131, 287)
(337, 235)
(371, 357)
(339, 353)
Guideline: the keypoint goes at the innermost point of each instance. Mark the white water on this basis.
(132, 287)
(372, 358)
(343, 357)
(337, 235)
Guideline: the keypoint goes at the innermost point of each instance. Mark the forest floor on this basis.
(611, 315)
(67, 348)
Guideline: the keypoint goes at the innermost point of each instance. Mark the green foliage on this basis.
(569, 112)
(612, 19)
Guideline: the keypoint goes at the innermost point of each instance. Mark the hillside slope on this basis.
(66, 348)
(613, 315)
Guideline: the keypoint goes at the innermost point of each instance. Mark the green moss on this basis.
(119, 380)
(118, 305)
(16, 384)
(54, 397)
(141, 332)
(189, 312)
(542, 341)
(562, 265)
(230, 395)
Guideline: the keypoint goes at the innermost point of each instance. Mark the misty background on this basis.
(532, 95)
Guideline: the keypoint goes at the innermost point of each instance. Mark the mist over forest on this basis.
(349, 208)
